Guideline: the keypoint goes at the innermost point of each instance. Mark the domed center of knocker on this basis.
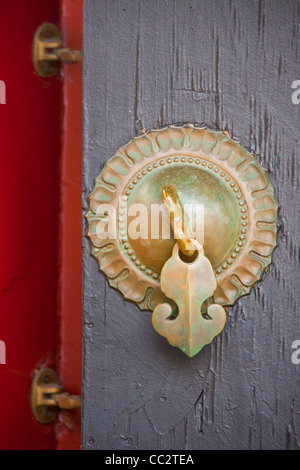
(188, 279)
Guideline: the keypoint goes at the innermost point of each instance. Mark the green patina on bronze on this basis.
(189, 285)
(205, 167)
(188, 279)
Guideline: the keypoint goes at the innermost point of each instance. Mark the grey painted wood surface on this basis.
(229, 65)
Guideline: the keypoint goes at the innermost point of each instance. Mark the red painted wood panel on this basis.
(29, 204)
(70, 288)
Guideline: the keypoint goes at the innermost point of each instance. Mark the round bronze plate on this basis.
(206, 167)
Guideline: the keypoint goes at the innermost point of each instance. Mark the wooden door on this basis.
(40, 280)
(30, 140)
(230, 65)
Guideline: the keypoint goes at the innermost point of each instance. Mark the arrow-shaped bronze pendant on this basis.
(189, 284)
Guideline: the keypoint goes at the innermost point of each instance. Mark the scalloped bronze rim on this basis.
(219, 153)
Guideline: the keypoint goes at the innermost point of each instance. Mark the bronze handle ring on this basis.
(179, 222)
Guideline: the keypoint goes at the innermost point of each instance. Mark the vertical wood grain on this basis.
(228, 64)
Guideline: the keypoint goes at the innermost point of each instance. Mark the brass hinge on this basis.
(48, 51)
(48, 396)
